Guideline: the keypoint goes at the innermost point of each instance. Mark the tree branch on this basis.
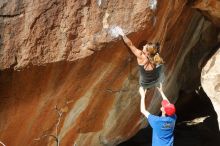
(56, 136)
(2, 143)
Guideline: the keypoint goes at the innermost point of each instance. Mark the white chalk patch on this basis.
(99, 2)
(152, 4)
(115, 31)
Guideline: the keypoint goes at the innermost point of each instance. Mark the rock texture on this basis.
(210, 9)
(210, 80)
(54, 30)
(63, 77)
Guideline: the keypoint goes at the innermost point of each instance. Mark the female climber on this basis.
(149, 61)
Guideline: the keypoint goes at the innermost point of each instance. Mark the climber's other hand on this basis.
(142, 91)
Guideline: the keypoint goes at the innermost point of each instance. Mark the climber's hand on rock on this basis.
(119, 31)
(116, 31)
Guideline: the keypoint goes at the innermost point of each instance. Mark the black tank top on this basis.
(147, 76)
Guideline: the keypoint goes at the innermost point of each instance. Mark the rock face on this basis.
(50, 31)
(63, 77)
(210, 80)
(210, 9)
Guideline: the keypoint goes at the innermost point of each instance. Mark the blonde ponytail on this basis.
(157, 59)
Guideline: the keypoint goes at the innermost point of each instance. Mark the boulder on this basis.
(210, 80)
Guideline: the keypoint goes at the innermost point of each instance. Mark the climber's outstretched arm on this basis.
(162, 93)
(128, 42)
(142, 106)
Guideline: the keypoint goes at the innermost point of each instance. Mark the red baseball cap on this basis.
(168, 108)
